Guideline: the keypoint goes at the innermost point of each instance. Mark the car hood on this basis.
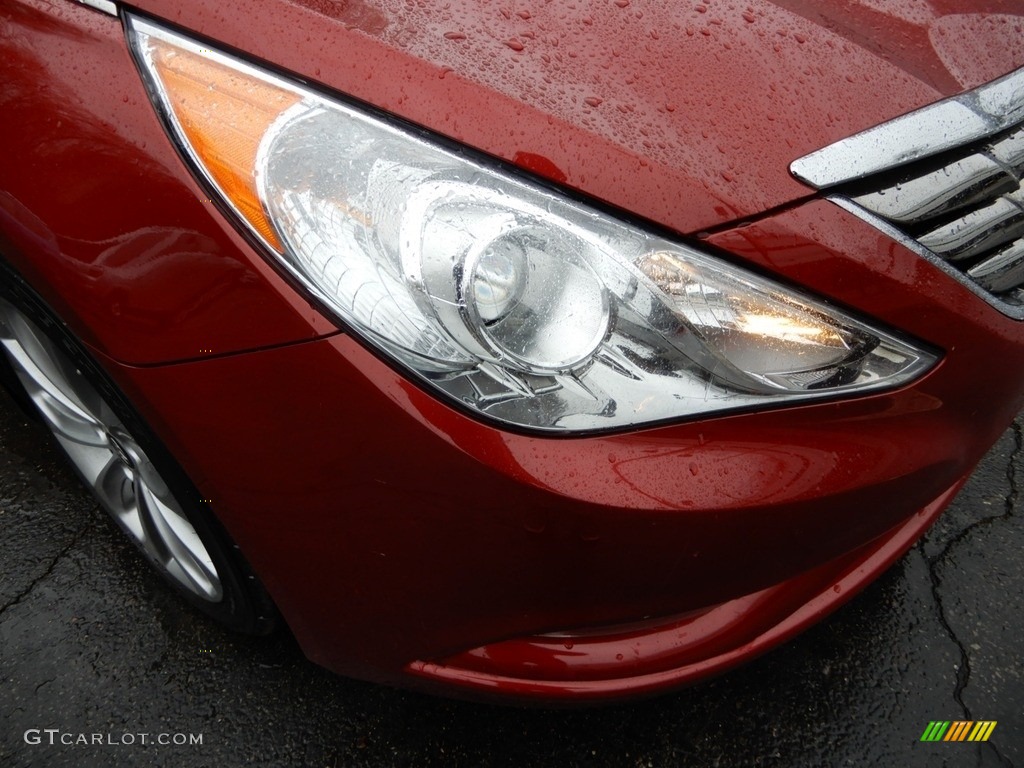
(686, 113)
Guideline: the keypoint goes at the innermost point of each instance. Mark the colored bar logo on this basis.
(958, 730)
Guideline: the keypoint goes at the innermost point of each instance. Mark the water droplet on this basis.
(455, 35)
(568, 645)
(749, 17)
(515, 45)
(592, 101)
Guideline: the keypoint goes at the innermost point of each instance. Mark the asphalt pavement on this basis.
(92, 643)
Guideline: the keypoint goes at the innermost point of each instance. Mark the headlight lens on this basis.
(520, 303)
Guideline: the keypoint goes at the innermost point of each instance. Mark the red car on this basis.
(550, 351)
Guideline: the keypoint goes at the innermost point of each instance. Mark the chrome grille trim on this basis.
(105, 6)
(968, 181)
(977, 232)
(1009, 152)
(939, 127)
(1001, 272)
(959, 198)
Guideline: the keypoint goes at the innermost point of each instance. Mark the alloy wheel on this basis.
(107, 456)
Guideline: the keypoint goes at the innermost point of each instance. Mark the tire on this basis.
(124, 465)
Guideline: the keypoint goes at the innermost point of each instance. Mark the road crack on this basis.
(963, 672)
(46, 572)
(1009, 503)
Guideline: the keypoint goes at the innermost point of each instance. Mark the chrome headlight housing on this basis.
(516, 301)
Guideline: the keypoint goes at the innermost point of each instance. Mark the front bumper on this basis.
(658, 656)
(399, 536)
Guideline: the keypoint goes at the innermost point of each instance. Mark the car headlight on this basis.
(520, 303)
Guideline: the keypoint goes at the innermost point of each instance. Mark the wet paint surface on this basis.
(92, 641)
(685, 113)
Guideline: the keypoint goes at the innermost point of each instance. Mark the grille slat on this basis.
(1010, 152)
(1001, 272)
(951, 188)
(976, 233)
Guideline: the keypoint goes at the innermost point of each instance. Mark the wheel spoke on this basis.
(37, 348)
(107, 455)
(69, 423)
(49, 387)
(173, 536)
(109, 489)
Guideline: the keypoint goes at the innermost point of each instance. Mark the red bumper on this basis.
(397, 535)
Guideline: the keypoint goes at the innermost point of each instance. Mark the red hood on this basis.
(688, 113)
